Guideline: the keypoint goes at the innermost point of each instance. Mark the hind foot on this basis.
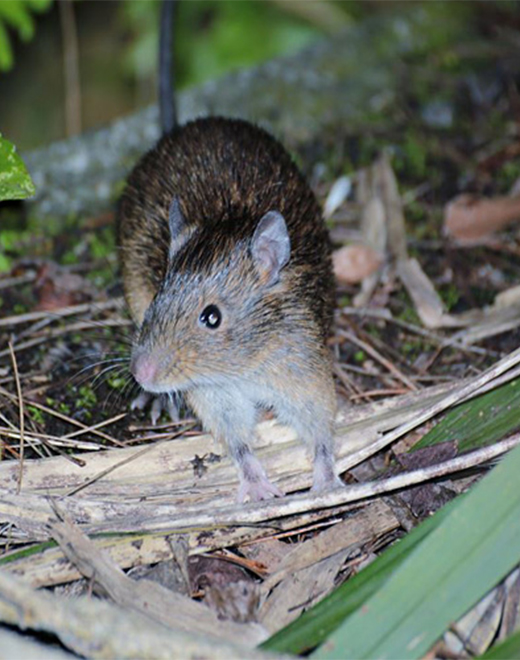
(256, 491)
(254, 483)
(325, 477)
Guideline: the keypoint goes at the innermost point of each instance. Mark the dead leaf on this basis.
(397, 241)
(508, 298)
(426, 300)
(426, 498)
(236, 601)
(353, 263)
(470, 219)
(57, 287)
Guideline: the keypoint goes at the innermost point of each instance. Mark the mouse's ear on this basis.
(177, 224)
(271, 247)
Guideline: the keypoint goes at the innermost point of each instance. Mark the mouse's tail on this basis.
(167, 109)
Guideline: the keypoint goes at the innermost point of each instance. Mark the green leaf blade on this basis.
(469, 552)
(479, 422)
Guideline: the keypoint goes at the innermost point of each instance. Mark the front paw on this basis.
(160, 403)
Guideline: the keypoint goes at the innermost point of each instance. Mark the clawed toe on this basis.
(255, 491)
(160, 403)
(140, 401)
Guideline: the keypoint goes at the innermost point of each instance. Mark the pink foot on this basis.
(259, 489)
(325, 477)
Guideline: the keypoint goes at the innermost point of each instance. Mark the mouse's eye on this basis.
(211, 317)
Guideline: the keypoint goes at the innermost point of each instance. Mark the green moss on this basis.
(408, 313)
(116, 382)
(69, 257)
(59, 406)
(36, 414)
(102, 244)
(508, 174)
(450, 61)
(415, 151)
(5, 263)
(450, 296)
(408, 347)
(375, 331)
(359, 356)
(87, 397)
(9, 239)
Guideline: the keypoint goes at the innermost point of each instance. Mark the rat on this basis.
(227, 274)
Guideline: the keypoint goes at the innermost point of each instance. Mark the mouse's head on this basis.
(222, 303)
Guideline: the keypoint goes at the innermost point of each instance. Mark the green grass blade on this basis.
(479, 422)
(472, 549)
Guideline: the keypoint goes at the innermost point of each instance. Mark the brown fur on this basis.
(270, 348)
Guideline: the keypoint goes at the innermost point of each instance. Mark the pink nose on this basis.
(144, 369)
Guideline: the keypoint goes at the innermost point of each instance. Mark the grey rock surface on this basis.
(333, 84)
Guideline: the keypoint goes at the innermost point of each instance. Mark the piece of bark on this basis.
(308, 572)
(508, 298)
(98, 629)
(146, 597)
(18, 645)
(397, 240)
(373, 227)
(266, 553)
(300, 591)
(370, 521)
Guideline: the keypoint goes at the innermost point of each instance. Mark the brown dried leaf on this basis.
(353, 263)
(397, 243)
(57, 287)
(470, 219)
(426, 300)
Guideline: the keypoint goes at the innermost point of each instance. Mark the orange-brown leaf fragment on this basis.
(57, 287)
(353, 263)
(470, 219)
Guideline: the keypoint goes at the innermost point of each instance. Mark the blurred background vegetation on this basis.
(67, 66)
(96, 60)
